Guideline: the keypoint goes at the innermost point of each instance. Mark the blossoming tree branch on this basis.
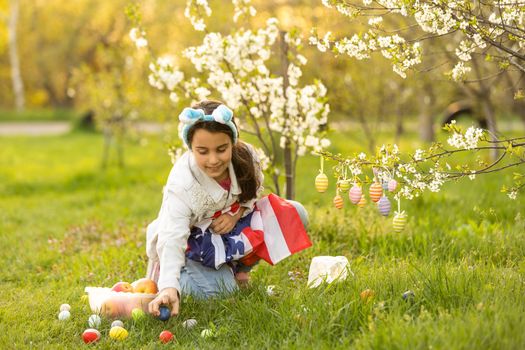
(491, 29)
(286, 117)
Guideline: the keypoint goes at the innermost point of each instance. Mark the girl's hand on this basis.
(225, 223)
(168, 297)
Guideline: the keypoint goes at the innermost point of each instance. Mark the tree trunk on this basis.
(488, 110)
(426, 116)
(288, 161)
(16, 77)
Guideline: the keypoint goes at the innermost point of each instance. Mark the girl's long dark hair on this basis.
(242, 160)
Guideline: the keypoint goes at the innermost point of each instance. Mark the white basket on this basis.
(105, 302)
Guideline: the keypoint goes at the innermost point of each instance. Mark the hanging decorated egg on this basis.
(355, 194)
(384, 184)
(90, 335)
(392, 185)
(400, 220)
(321, 183)
(384, 206)
(344, 185)
(362, 202)
(376, 191)
(338, 201)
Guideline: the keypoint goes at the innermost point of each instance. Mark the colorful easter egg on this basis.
(367, 295)
(408, 295)
(384, 206)
(362, 201)
(392, 185)
(338, 202)
(207, 333)
(64, 315)
(90, 335)
(355, 194)
(94, 321)
(400, 220)
(164, 313)
(321, 183)
(118, 333)
(376, 191)
(165, 336)
(344, 185)
(138, 314)
(384, 185)
(189, 323)
(117, 323)
(65, 307)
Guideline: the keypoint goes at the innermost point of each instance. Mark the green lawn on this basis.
(65, 224)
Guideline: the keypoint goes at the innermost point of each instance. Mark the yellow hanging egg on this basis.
(362, 202)
(118, 333)
(376, 191)
(344, 185)
(400, 220)
(338, 202)
(321, 183)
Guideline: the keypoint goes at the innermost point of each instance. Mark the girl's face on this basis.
(213, 152)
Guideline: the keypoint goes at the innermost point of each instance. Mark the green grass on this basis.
(33, 115)
(66, 224)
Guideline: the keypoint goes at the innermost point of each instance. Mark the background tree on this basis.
(286, 118)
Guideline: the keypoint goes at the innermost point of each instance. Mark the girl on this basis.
(208, 208)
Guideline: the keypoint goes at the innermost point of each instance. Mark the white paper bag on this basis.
(328, 269)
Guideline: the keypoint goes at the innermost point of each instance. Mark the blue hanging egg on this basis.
(384, 206)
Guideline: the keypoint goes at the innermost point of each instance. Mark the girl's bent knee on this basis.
(301, 210)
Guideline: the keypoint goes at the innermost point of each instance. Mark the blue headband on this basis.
(221, 114)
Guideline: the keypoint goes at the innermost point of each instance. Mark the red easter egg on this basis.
(90, 335)
(165, 336)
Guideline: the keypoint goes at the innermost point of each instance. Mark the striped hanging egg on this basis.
(355, 194)
(321, 183)
(376, 191)
(392, 185)
(362, 202)
(384, 184)
(338, 201)
(400, 220)
(384, 206)
(344, 185)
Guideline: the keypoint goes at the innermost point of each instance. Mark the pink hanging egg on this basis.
(338, 202)
(392, 185)
(376, 191)
(355, 194)
(384, 206)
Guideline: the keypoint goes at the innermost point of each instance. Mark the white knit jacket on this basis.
(189, 197)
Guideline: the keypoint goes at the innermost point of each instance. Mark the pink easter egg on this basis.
(392, 185)
(355, 194)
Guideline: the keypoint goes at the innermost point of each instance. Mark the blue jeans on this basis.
(200, 281)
